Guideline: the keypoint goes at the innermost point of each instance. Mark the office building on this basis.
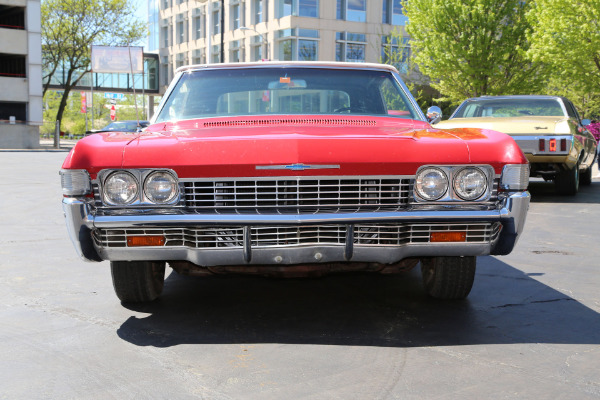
(20, 74)
(190, 31)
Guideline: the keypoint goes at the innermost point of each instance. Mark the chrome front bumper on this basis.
(81, 224)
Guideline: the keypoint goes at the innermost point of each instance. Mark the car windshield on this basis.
(509, 108)
(283, 90)
(123, 126)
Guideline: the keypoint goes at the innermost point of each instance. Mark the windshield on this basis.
(279, 90)
(124, 126)
(509, 108)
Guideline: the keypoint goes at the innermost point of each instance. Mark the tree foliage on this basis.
(70, 27)
(566, 35)
(473, 47)
(74, 122)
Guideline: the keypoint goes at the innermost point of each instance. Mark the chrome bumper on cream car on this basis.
(237, 239)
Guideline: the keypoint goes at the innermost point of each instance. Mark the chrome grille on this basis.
(375, 235)
(396, 235)
(296, 195)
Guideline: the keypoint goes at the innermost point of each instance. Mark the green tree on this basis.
(473, 47)
(566, 35)
(70, 27)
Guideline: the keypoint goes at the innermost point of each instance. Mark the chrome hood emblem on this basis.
(298, 167)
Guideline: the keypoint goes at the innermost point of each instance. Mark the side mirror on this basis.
(434, 115)
(585, 122)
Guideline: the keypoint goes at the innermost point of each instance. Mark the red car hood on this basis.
(235, 147)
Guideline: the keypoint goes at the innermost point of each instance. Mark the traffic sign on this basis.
(113, 113)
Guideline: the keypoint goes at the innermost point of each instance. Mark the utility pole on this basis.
(222, 31)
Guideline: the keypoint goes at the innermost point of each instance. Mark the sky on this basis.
(141, 7)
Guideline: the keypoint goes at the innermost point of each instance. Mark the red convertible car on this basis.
(293, 169)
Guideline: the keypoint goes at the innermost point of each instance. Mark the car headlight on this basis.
(470, 183)
(431, 184)
(120, 188)
(161, 187)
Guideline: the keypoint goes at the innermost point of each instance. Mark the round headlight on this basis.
(161, 187)
(120, 188)
(431, 184)
(470, 183)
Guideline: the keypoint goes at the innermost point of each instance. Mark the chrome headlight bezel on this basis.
(423, 183)
(459, 179)
(132, 186)
(141, 199)
(451, 196)
(153, 197)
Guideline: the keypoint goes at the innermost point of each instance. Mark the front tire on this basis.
(137, 281)
(567, 182)
(448, 277)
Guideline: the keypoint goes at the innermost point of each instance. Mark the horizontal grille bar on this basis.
(375, 235)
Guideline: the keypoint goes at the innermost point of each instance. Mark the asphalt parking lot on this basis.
(529, 330)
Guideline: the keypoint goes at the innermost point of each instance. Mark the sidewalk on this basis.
(47, 145)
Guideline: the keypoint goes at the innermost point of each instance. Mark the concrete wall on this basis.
(13, 41)
(14, 89)
(19, 136)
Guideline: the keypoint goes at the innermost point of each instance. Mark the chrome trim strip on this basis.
(297, 167)
(529, 144)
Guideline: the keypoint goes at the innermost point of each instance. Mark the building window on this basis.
(180, 29)
(235, 51)
(180, 60)
(393, 12)
(300, 44)
(257, 48)
(164, 32)
(216, 21)
(198, 56)
(259, 11)
(396, 51)
(308, 8)
(350, 47)
(352, 10)
(164, 66)
(215, 54)
(165, 4)
(284, 8)
(237, 16)
(301, 8)
(198, 23)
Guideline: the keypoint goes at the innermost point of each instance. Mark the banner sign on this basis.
(117, 59)
(115, 96)
(83, 103)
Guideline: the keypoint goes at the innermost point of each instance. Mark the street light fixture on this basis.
(262, 39)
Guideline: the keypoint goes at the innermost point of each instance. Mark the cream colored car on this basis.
(548, 129)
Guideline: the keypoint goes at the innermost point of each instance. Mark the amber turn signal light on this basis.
(448, 237)
(139, 241)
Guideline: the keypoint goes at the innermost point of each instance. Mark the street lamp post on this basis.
(262, 39)
(222, 31)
